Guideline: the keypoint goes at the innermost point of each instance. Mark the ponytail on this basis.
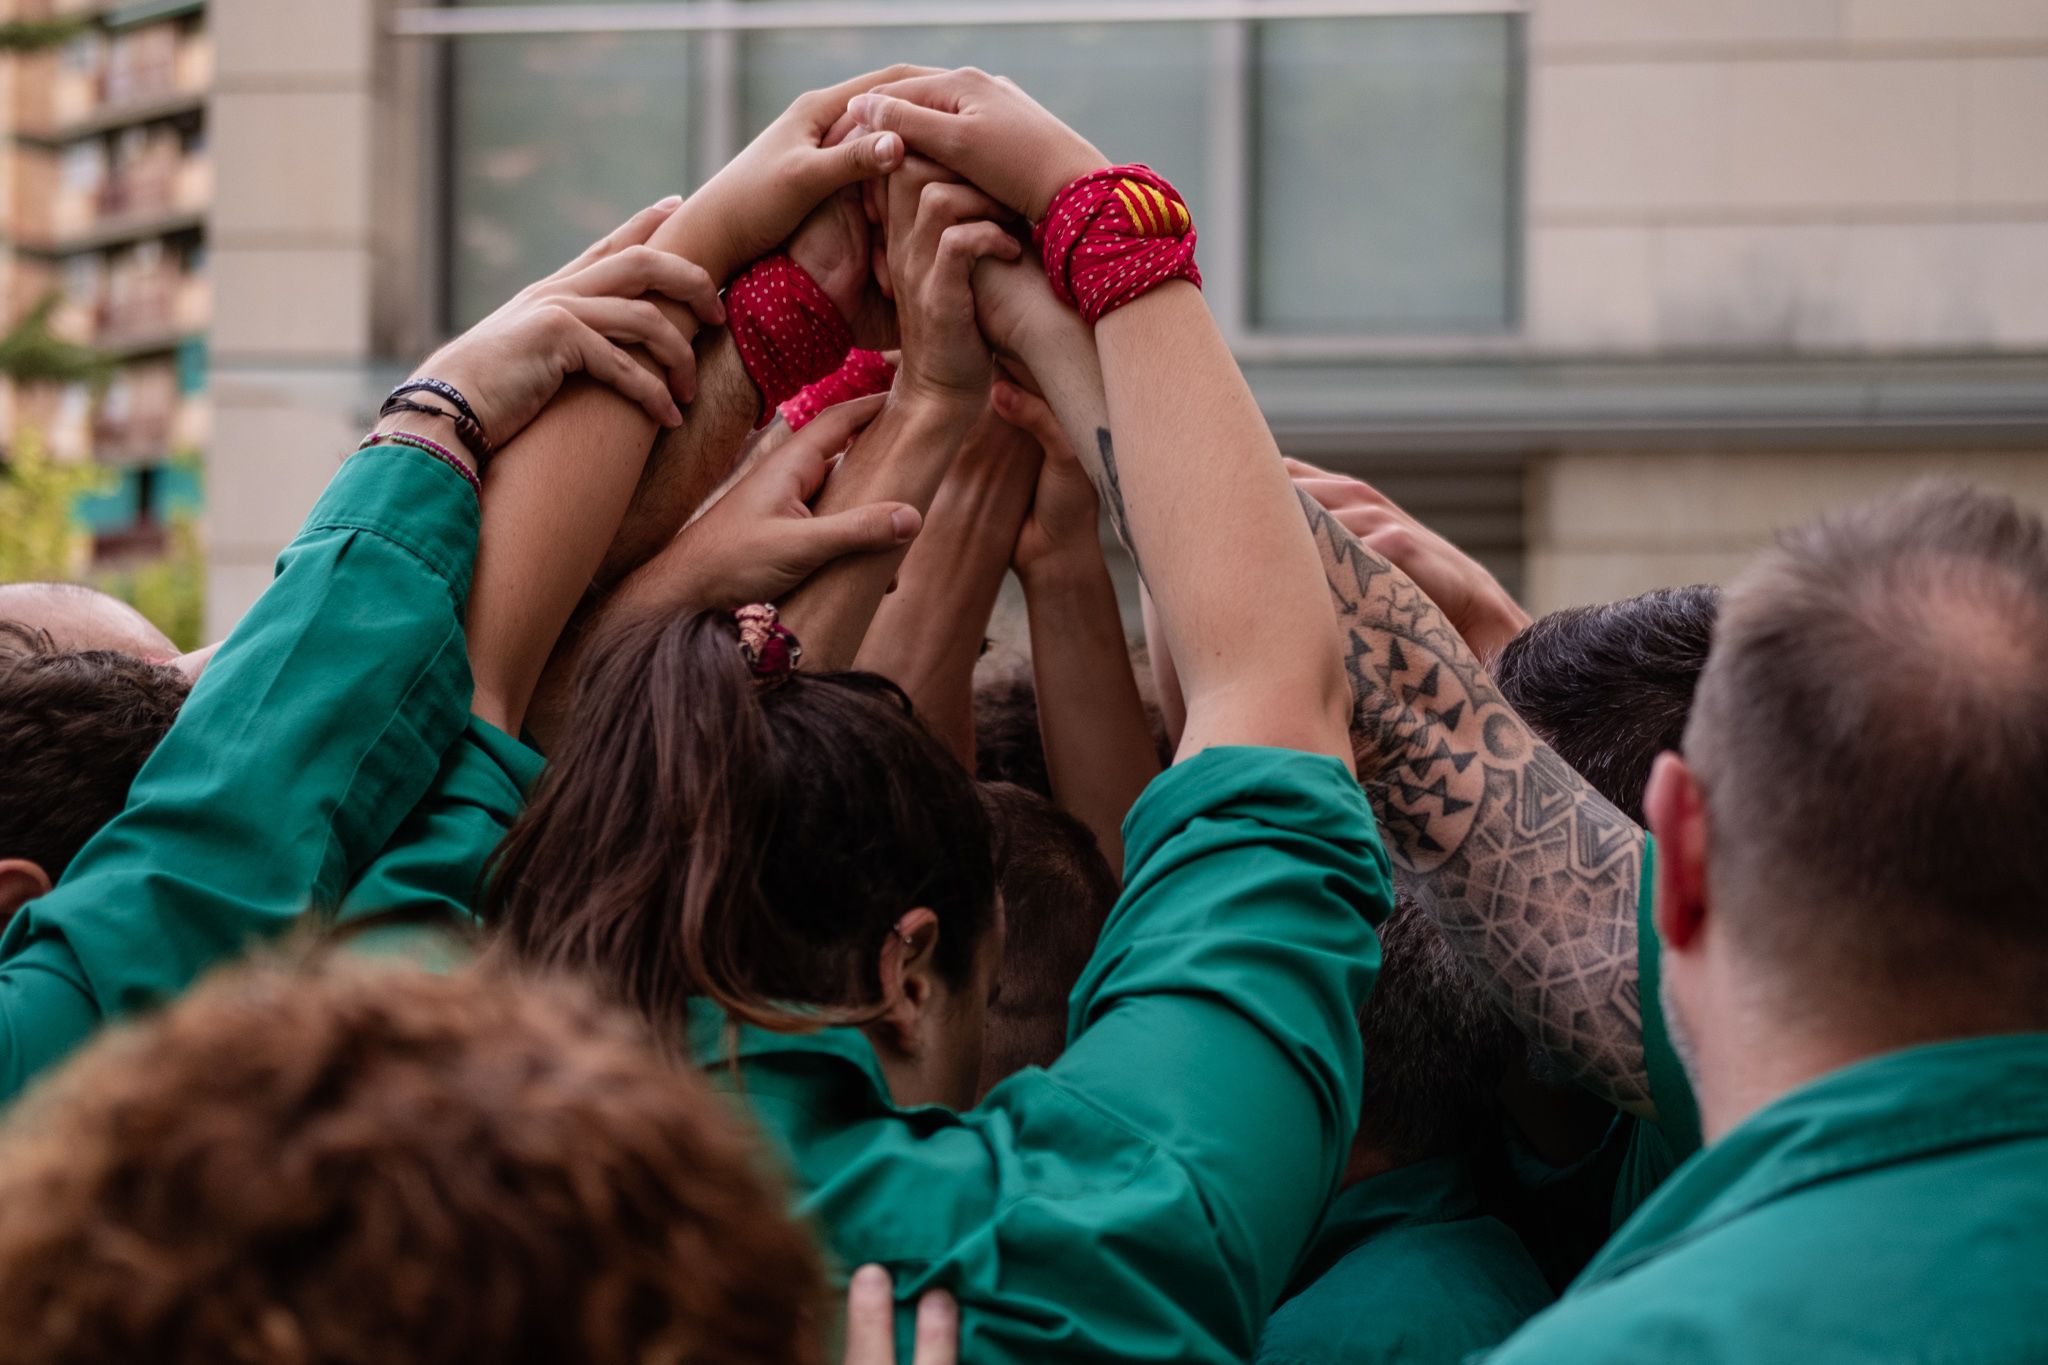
(701, 834)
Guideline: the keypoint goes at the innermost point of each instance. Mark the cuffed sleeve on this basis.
(318, 726)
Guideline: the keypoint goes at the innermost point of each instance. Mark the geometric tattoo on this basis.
(1530, 873)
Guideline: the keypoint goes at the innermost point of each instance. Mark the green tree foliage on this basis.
(38, 501)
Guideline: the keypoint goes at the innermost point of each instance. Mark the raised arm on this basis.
(1098, 743)
(936, 229)
(749, 207)
(928, 633)
(1531, 873)
(320, 724)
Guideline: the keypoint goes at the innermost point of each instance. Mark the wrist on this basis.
(1082, 160)
(440, 430)
(1066, 569)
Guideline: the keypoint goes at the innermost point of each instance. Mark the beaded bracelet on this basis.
(467, 426)
(425, 446)
(469, 433)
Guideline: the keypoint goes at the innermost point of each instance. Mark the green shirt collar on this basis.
(1899, 1107)
(713, 1039)
(1438, 1190)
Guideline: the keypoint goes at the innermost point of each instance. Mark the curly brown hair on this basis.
(338, 1163)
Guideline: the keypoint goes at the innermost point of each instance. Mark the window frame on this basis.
(717, 95)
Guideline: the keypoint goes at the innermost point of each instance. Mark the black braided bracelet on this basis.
(466, 423)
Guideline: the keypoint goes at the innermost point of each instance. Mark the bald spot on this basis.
(77, 617)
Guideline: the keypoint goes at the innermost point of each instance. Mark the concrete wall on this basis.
(1788, 175)
(1777, 177)
(302, 113)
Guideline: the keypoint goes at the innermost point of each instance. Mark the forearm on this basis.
(590, 440)
(1532, 876)
(927, 635)
(1098, 743)
(688, 463)
(1173, 709)
(901, 457)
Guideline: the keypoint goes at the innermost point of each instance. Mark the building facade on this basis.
(1605, 289)
(107, 184)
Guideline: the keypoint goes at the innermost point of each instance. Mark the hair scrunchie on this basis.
(1115, 235)
(771, 648)
(864, 373)
(787, 329)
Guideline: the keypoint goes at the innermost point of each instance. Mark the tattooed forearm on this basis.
(1531, 874)
(1109, 487)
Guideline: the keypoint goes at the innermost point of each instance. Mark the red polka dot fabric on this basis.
(788, 331)
(1115, 235)
(864, 372)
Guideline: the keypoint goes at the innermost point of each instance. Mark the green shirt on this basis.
(317, 727)
(1407, 1270)
(1147, 1196)
(1894, 1210)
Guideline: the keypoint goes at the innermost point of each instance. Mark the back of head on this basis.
(1609, 687)
(704, 834)
(1872, 738)
(1057, 891)
(74, 617)
(1436, 1046)
(376, 1165)
(75, 728)
(1007, 744)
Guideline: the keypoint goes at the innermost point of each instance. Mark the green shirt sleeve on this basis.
(1218, 1016)
(1678, 1114)
(317, 727)
(434, 864)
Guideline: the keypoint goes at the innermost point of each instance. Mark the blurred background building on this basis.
(106, 186)
(1605, 289)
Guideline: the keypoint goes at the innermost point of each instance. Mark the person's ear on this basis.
(1676, 806)
(21, 881)
(909, 978)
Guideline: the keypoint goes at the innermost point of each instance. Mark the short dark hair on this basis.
(1872, 738)
(1609, 687)
(1008, 746)
(1436, 1046)
(75, 729)
(702, 835)
(1057, 891)
(352, 1164)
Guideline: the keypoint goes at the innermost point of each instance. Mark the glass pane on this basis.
(1137, 92)
(1384, 167)
(555, 140)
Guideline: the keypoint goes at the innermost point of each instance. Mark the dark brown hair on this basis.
(1872, 736)
(361, 1165)
(1610, 687)
(75, 729)
(1436, 1045)
(702, 834)
(1057, 891)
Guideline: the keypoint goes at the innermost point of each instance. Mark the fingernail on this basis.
(675, 415)
(888, 147)
(904, 522)
(860, 106)
(673, 201)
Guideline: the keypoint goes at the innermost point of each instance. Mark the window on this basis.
(556, 140)
(1371, 163)
(1139, 91)
(1384, 164)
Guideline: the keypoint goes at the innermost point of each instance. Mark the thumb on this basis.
(879, 526)
(862, 157)
(930, 131)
